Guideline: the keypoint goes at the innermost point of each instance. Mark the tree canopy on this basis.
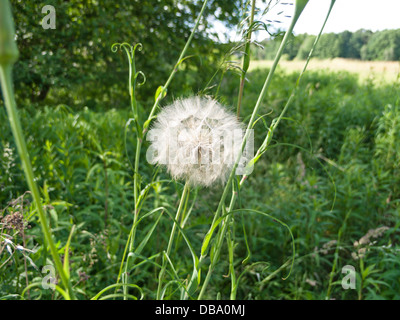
(76, 59)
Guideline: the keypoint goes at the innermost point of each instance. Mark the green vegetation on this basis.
(340, 141)
(330, 174)
(362, 44)
(63, 64)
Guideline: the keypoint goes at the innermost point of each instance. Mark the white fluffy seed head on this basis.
(197, 140)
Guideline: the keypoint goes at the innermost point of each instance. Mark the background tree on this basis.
(384, 45)
(362, 44)
(76, 61)
(357, 41)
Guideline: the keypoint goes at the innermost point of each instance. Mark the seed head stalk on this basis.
(185, 194)
(139, 142)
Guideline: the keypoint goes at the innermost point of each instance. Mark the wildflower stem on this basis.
(246, 58)
(272, 128)
(171, 237)
(336, 255)
(218, 246)
(136, 184)
(5, 79)
(276, 121)
(299, 6)
(8, 56)
(139, 141)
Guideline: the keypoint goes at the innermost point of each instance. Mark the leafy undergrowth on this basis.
(332, 175)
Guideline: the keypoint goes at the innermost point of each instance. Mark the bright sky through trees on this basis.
(350, 15)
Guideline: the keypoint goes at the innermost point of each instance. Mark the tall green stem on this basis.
(171, 238)
(299, 6)
(246, 58)
(136, 186)
(5, 77)
(8, 56)
(140, 140)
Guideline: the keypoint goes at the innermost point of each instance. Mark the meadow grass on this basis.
(379, 71)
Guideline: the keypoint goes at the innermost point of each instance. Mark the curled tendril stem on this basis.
(140, 73)
(139, 47)
(125, 45)
(133, 75)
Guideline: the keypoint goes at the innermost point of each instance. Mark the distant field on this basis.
(387, 71)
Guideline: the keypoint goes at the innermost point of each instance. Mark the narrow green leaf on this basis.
(208, 236)
(66, 253)
(160, 93)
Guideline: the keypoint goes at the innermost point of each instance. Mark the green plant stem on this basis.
(218, 246)
(275, 123)
(132, 234)
(171, 237)
(8, 93)
(231, 248)
(273, 126)
(139, 141)
(298, 10)
(136, 187)
(336, 255)
(246, 59)
(299, 6)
